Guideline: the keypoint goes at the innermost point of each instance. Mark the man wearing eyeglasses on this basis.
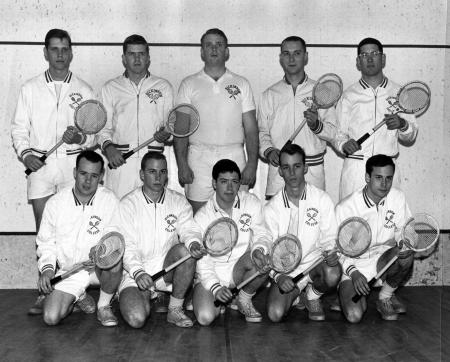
(362, 106)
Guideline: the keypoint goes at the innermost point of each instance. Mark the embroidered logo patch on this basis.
(153, 94)
(171, 219)
(389, 224)
(233, 90)
(307, 101)
(245, 221)
(76, 99)
(94, 222)
(311, 215)
(393, 105)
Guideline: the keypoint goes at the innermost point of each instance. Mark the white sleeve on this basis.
(184, 93)
(262, 239)
(265, 121)
(106, 134)
(343, 110)
(189, 231)
(326, 128)
(46, 238)
(21, 125)
(248, 103)
(328, 224)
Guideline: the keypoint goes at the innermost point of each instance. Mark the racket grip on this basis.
(55, 280)
(128, 154)
(361, 140)
(288, 142)
(298, 277)
(28, 171)
(158, 274)
(217, 303)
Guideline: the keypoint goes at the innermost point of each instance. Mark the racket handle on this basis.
(361, 140)
(128, 154)
(55, 280)
(28, 171)
(296, 132)
(300, 276)
(170, 267)
(372, 281)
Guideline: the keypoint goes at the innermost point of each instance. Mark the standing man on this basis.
(217, 274)
(307, 212)
(159, 229)
(386, 210)
(283, 107)
(44, 115)
(362, 106)
(137, 104)
(74, 221)
(227, 120)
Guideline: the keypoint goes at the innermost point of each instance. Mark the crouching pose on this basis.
(386, 210)
(307, 212)
(158, 229)
(73, 222)
(217, 274)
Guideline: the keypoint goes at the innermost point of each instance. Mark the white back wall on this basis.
(332, 27)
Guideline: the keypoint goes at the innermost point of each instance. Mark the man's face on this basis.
(370, 61)
(293, 58)
(136, 59)
(87, 177)
(227, 186)
(292, 170)
(154, 175)
(214, 50)
(379, 182)
(58, 54)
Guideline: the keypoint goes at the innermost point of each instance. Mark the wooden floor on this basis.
(421, 335)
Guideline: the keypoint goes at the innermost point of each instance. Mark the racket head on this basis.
(286, 253)
(221, 236)
(183, 120)
(421, 232)
(90, 116)
(354, 237)
(414, 97)
(327, 90)
(109, 250)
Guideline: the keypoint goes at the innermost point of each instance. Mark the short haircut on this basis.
(152, 155)
(292, 149)
(223, 166)
(134, 39)
(369, 41)
(378, 161)
(293, 38)
(214, 31)
(59, 34)
(91, 156)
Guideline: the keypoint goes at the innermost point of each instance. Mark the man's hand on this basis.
(144, 281)
(350, 147)
(394, 121)
(360, 283)
(273, 157)
(312, 117)
(248, 175)
(196, 250)
(33, 162)
(44, 284)
(71, 135)
(161, 135)
(262, 261)
(114, 156)
(185, 174)
(224, 295)
(285, 283)
(331, 259)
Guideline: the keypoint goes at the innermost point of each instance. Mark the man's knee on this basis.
(332, 275)
(205, 316)
(135, 318)
(51, 317)
(275, 313)
(353, 314)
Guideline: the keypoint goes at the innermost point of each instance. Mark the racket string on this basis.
(90, 117)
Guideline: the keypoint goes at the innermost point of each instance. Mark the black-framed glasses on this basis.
(370, 54)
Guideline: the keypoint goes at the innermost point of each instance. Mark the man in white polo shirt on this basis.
(227, 120)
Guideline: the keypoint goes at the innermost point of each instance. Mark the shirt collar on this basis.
(305, 80)
(366, 85)
(368, 201)
(217, 208)
(150, 201)
(49, 79)
(79, 203)
(286, 199)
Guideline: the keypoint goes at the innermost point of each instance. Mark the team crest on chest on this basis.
(171, 219)
(94, 223)
(233, 90)
(153, 94)
(76, 99)
(311, 216)
(245, 221)
(389, 223)
(307, 101)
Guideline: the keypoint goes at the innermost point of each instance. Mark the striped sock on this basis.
(312, 293)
